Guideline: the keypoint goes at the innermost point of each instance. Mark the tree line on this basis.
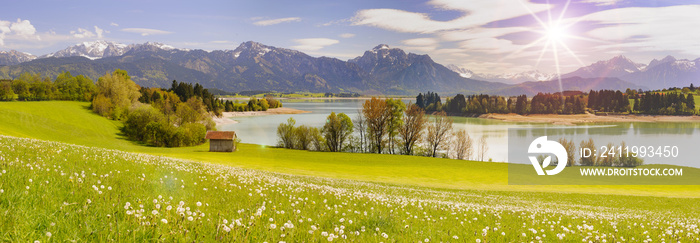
(179, 116)
(542, 103)
(655, 103)
(253, 104)
(34, 87)
(384, 126)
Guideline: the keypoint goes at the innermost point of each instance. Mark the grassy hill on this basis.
(56, 191)
(73, 122)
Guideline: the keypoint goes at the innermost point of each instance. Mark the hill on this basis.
(73, 123)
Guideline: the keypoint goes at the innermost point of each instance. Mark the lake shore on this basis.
(586, 118)
(226, 116)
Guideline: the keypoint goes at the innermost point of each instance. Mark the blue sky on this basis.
(488, 36)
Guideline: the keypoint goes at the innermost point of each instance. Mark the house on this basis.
(221, 141)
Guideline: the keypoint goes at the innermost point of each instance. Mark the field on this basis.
(95, 190)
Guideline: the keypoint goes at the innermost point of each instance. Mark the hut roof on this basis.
(221, 135)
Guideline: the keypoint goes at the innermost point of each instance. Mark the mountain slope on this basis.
(574, 83)
(617, 67)
(13, 57)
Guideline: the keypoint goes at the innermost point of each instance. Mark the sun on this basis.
(555, 33)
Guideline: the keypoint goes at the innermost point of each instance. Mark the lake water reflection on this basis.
(262, 129)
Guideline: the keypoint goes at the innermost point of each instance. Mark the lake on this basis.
(262, 129)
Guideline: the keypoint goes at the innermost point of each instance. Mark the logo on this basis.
(542, 145)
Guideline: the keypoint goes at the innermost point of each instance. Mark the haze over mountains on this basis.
(381, 70)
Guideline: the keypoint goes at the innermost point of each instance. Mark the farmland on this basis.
(77, 179)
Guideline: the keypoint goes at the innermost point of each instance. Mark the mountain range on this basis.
(381, 70)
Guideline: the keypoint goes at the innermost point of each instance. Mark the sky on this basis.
(485, 36)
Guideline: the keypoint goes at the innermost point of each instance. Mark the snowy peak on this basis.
(13, 57)
(92, 50)
(381, 47)
(616, 67)
(463, 72)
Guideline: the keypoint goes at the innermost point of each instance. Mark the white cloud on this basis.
(313, 44)
(114, 24)
(347, 35)
(99, 32)
(82, 33)
(146, 32)
(649, 29)
(475, 13)
(603, 2)
(21, 29)
(276, 21)
(420, 42)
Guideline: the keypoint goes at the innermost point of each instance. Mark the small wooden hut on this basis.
(221, 141)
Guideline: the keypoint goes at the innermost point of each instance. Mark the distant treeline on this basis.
(34, 87)
(179, 116)
(542, 103)
(253, 104)
(665, 103)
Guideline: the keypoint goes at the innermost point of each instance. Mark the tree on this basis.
(570, 151)
(691, 102)
(412, 130)
(317, 139)
(121, 91)
(285, 133)
(438, 132)
(396, 108)
(302, 137)
(588, 160)
(376, 112)
(6, 93)
(336, 131)
(462, 145)
(483, 148)
(361, 127)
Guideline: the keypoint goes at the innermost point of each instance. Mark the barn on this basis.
(221, 141)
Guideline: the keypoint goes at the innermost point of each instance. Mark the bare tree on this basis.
(412, 130)
(483, 148)
(439, 132)
(361, 127)
(377, 113)
(590, 160)
(570, 151)
(463, 145)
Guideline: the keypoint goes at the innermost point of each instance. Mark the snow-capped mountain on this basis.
(509, 78)
(667, 72)
(13, 57)
(100, 49)
(92, 50)
(618, 67)
(465, 73)
(658, 74)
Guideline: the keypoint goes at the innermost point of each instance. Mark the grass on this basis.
(72, 122)
(52, 191)
(55, 191)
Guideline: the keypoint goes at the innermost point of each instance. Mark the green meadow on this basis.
(68, 175)
(74, 123)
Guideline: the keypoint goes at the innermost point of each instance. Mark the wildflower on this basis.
(190, 218)
(199, 204)
(227, 229)
(273, 226)
(154, 212)
(89, 201)
(48, 234)
(168, 207)
(165, 221)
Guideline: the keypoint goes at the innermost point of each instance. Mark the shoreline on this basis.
(226, 116)
(586, 118)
